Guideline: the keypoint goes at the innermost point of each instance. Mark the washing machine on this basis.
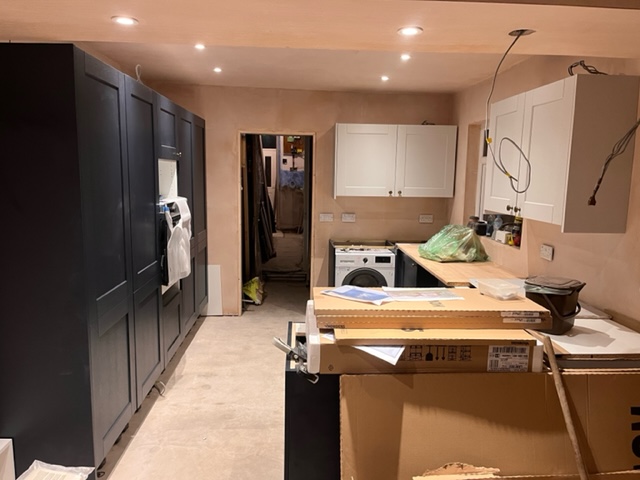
(365, 266)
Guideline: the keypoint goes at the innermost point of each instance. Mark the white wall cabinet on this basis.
(566, 129)
(394, 160)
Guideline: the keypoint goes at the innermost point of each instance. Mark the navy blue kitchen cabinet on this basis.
(82, 334)
(178, 140)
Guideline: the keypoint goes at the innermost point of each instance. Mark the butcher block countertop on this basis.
(454, 274)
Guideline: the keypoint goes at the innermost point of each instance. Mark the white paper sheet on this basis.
(359, 294)
(390, 354)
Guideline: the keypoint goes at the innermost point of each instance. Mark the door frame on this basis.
(310, 177)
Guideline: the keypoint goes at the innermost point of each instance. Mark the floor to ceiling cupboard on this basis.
(82, 333)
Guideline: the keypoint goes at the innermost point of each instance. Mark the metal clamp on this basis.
(298, 355)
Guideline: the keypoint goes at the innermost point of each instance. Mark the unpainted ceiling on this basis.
(341, 45)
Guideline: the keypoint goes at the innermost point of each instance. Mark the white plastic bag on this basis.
(45, 471)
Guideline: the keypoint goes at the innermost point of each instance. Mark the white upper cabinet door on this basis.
(425, 160)
(365, 160)
(505, 127)
(546, 138)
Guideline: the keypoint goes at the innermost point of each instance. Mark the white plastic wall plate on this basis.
(546, 252)
(349, 217)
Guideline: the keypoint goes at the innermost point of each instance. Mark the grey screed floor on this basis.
(222, 413)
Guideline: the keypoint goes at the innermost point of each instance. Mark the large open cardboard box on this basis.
(398, 426)
(474, 311)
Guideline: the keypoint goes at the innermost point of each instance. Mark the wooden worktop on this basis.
(454, 274)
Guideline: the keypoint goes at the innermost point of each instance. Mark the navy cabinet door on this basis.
(104, 178)
(143, 196)
(200, 214)
(167, 132)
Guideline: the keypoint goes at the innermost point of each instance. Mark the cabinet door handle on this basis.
(400, 192)
(178, 154)
(509, 208)
(390, 193)
(516, 209)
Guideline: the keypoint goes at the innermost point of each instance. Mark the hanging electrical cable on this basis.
(498, 160)
(589, 68)
(618, 149)
(138, 72)
(518, 34)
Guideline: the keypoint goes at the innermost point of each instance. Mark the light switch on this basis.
(425, 218)
(546, 252)
(326, 217)
(348, 217)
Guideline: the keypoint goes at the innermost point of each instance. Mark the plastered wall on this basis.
(230, 111)
(608, 263)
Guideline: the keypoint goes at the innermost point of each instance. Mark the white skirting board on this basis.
(214, 306)
(7, 468)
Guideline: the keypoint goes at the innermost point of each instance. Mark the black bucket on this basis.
(560, 296)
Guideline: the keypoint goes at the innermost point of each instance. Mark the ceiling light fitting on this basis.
(410, 31)
(124, 20)
(199, 46)
(521, 32)
(405, 56)
(384, 78)
(217, 70)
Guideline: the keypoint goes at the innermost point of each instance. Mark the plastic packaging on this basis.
(498, 288)
(40, 470)
(454, 243)
(497, 223)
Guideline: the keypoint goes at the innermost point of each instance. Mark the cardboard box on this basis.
(475, 311)
(398, 426)
(626, 475)
(431, 351)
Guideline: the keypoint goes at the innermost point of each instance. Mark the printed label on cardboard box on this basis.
(521, 313)
(508, 358)
(521, 320)
(437, 353)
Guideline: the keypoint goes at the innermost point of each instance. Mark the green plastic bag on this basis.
(454, 243)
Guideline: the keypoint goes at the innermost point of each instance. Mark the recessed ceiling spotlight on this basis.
(200, 46)
(410, 31)
(384, 78)
(217, 70)
(405, 56)
(124, 20)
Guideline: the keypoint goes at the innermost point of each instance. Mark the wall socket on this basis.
(546, 252)
(425, 218)
(349, 217)
(326, 217)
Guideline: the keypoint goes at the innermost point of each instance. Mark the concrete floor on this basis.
(221, 416)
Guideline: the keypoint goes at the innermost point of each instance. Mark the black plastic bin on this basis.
(559, 295)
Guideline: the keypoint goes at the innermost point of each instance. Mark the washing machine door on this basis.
(365, 277)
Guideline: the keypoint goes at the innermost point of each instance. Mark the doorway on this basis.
(276, 210)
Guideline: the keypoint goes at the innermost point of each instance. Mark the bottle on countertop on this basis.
(517, 231)
(490, 220)
(497, 223)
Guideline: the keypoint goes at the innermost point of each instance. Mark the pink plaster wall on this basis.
(230, 111)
